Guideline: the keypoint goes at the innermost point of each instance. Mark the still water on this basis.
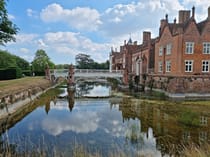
(119, 124)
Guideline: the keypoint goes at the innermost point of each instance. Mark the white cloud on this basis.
(201, 7)
(24, 50)
(26, 38)
(11, 17)
(79, 123)
(128, 18)
(32, 13)
(41, 43)
(80, 18)
(74, 43)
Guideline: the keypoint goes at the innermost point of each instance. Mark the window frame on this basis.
(168, 66)
(160, 66)
(205, 65)
(160, 51)
(189, 47)
(168, 49)
(206, 47)
(188, 71)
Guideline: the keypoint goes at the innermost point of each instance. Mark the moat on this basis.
(105, 125)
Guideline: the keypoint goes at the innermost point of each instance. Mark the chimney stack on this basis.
(146, 36)
(124, 42)
(166, 17)
(193, 12)
(175, 21)
(184, 15)
(209, 12)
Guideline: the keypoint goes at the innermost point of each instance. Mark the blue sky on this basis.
(64, 28)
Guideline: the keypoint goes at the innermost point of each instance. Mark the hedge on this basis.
(10, 73)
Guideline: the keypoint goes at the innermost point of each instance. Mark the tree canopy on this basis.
(9, 60)
(84, 61)
(8, 30)
(41, 61)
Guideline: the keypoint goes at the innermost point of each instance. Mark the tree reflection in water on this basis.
(83, 88)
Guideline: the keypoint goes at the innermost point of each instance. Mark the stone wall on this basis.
(195, 84)
(19, 95)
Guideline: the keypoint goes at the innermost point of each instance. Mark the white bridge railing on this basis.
(86, 73)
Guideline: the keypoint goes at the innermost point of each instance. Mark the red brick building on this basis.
(183, 48)
(134, 59)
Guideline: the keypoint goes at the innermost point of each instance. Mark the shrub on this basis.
(10, 73)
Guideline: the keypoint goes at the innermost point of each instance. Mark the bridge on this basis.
(85, 73)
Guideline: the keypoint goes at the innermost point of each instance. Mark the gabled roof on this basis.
(180, 28)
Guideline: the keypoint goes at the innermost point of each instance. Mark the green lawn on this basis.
(21, 84)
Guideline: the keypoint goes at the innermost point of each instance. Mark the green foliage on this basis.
(9, 60)
(10, 73)
(12, 66)
(189, 118)
(8, 29)
(114, 82)
(22, 63)
(84, 61)
(26, 72)
(62, 66)
(41, 61)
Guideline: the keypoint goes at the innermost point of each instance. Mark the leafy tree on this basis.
(40, 61)
(62, 66)
(7, 28)
(83, 61)
(7, 60)
(22, 63)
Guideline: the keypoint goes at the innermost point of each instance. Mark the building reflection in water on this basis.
(170, 134)
(71, 95)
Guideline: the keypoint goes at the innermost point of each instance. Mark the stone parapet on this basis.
(197, 84)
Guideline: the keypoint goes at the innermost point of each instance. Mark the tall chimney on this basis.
(175, 21)
(209, 12)
(146, 36)
(166, 17)
(193, 12)
(184, 15)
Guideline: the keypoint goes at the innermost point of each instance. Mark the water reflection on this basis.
(91, 89)
(123, 123)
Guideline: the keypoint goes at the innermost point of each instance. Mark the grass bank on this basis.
(11, 86)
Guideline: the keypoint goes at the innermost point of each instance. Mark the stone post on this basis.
(47, 72)
(71, 77)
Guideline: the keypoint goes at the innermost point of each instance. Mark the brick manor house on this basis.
(181, 50)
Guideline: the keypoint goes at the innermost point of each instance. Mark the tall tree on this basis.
(83, 61)
(22, 63)
(6, 59)
(41, 60)
(7, 28)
